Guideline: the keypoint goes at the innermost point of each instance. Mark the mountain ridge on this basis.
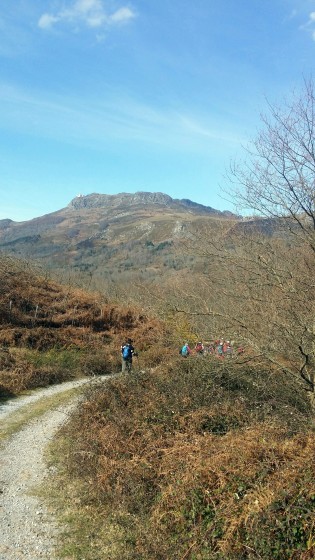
(114, 236)
(97, 200)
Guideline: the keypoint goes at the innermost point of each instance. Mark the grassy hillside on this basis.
(198, 460)
(50, 332)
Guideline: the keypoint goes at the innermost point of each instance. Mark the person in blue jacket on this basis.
(127, 353)
(185, 350)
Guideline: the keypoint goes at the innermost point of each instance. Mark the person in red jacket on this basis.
(199, 349)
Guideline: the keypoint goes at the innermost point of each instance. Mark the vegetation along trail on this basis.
(27, 527)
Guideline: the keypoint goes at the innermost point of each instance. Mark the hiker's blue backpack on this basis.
(126, 352)
(184, 351)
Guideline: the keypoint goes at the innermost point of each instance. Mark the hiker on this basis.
(185, 350)
(229, 349)
(219, 350)
(199, 349)
(127, 353)
(225, 346)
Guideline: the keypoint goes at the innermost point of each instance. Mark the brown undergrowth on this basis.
(50, 333)
(196, 460)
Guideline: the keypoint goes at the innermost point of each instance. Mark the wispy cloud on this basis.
(90, 13)
(309, 26)
(292, 15)
(97, 124)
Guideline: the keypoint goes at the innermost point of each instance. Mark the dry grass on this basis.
(201, 462)
(50, 333)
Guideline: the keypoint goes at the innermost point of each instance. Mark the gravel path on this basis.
(27, 529)
(13, 405)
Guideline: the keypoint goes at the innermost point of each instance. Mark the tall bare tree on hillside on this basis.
(278, 177)
(278, 180)
(267, 282)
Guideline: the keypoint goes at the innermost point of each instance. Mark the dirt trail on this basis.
(27, 528)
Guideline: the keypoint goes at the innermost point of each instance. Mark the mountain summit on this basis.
(156, 199)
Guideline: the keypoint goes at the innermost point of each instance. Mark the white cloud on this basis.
(122, 15)
(46, 21)
(86, 6)
(90, 13)
(309, 26)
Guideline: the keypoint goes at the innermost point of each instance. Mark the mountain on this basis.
(108, 234)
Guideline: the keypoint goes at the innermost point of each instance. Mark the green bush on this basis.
(56, 358)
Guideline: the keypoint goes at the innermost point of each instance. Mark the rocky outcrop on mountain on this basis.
(95, 200)
(141, 198)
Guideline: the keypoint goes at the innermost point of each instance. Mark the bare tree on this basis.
(277, 179)
(260, 276)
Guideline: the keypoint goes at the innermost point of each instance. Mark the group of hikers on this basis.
(220, 348)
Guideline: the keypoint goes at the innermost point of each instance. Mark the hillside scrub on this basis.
(254, 277)
(196, 460)
(259, 289)
(50, 333)
(276, 181)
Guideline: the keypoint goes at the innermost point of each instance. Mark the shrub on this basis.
(97, 363)
(198, 454)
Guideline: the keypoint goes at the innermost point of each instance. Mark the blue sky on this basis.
(114, 96)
